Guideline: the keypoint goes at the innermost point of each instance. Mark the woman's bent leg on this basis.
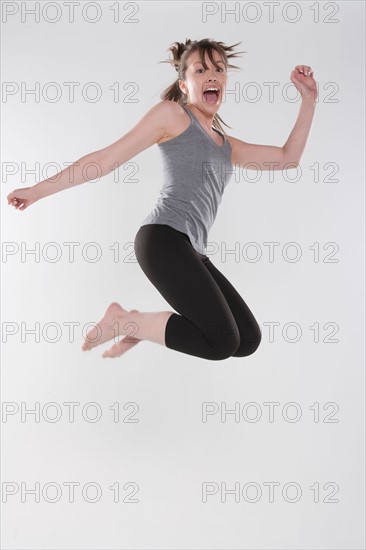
(250, 332)
(204, 325)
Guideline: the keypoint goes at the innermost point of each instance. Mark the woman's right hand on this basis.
(22, 198)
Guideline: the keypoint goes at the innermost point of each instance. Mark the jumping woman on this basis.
(211, 320)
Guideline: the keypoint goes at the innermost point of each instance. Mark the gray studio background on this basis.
(160, 452)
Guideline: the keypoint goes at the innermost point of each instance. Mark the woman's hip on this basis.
(155, 239)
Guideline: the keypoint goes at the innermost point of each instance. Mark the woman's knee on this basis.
(223, 343)
(249, 342)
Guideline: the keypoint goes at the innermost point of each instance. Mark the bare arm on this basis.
(85, 169)
(270, 157)
(144, 134)
(148, 130)
(295, 144)
(253, 156)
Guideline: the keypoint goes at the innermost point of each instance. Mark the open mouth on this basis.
(211, 94)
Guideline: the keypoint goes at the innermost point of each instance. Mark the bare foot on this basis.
(121, 347)
(108, 327)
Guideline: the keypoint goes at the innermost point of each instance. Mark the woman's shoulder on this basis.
(169, 108)
(175, 119)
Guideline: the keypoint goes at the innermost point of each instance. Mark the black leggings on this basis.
(214, 322)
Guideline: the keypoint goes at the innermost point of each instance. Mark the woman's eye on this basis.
(219, 69)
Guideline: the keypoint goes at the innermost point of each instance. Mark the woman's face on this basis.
(198, 79)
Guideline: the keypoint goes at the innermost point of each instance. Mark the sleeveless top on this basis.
(195, 173)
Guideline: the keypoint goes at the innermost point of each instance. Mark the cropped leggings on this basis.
(212, 319)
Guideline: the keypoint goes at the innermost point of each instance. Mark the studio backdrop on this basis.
(157, 449)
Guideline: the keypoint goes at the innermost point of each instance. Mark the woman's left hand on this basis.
(302, 78)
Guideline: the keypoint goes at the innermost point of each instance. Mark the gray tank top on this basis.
(195, 173)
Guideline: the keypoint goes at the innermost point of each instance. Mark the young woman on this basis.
(211, 320)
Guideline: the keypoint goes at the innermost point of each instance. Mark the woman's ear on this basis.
(182, 86)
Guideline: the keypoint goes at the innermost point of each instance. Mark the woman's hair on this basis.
(181, 52)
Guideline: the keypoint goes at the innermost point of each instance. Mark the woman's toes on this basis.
(111, 352)
(121, 347)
